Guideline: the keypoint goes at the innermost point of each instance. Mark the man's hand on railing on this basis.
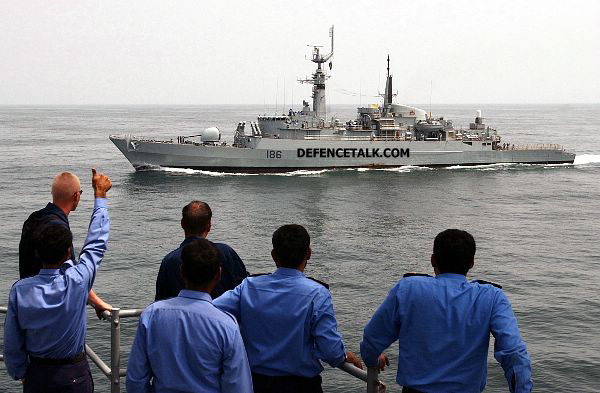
(383, 361)
(353, 359)
(100, 307)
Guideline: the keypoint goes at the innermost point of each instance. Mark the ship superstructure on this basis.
(387, 135)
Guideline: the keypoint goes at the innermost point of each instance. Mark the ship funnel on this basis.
(478, 112)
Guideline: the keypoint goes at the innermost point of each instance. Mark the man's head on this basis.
(195, 218)
(66, 191)
(53, 244)
(291, 246)
(201, 265)
(453, 252)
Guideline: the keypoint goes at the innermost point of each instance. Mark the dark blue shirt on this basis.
(29, 263)
(169, 281)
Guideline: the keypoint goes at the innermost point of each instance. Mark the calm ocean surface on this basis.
(536, 226)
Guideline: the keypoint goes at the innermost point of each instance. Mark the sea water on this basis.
(536, 226)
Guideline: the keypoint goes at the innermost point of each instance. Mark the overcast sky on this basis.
(251, 52)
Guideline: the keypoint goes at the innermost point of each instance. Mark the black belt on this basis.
(57, 362)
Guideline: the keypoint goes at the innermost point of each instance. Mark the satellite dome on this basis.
(211, 134)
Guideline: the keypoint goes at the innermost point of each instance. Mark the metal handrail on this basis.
(114, 372)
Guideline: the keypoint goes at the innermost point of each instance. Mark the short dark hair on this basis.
(195, 217)
(454, 251)
(200, 262)
(291, 243)
(53, 241)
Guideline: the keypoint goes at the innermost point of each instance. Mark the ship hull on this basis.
(280, 155)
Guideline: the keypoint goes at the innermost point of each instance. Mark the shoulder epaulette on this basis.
(258, 274)
(415, 274)
(487, 282)
(320, 282)
(230, 315)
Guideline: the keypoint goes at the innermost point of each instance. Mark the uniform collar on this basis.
(189, 239)
(195, 295)
(49, 272)
(57, 211)
(286, 271)
(452, 276)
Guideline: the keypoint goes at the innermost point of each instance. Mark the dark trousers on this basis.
(286, 384)
(59, 378)
(410, 390)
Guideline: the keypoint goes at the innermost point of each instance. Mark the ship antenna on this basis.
(388, 67)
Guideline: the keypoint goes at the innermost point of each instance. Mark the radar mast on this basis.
(318, 80)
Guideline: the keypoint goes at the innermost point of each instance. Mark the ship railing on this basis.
(114, 373)
(389, 138)
(536, 146)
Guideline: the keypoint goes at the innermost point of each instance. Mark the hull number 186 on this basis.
(273, 154)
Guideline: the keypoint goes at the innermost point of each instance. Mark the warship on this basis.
(381, 136)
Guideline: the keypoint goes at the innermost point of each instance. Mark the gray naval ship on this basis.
(388, 135)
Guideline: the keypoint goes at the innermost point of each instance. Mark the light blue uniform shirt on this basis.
(185, 344)
(46, 313)
(287, 322)
(443, 326)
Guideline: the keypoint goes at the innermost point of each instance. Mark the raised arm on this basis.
(97, 238)
(509, 349)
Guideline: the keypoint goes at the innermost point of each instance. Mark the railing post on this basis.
(115, 351)
(372, 379)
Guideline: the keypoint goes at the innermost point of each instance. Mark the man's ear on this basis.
(209, 226)
(275, 257)
(308, 253)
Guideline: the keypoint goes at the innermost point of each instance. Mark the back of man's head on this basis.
(64, 187)
(53, 241)
(195, 218)
(291, 244)
(454, 251)
(200, 262)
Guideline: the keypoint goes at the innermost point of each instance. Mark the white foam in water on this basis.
(301, 172)
(587, 159)
(582, 159)
(188, 171)
(485, 167)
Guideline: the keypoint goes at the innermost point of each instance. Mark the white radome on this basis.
(211, 134)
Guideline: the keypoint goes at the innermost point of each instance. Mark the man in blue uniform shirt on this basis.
(45, 325)
(196, 224)
(66, 193)
(287, 320)
(443, 325)
(185, 344)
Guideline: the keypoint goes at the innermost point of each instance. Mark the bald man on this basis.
(66, 193)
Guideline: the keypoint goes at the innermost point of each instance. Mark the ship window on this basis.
(469, 143)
